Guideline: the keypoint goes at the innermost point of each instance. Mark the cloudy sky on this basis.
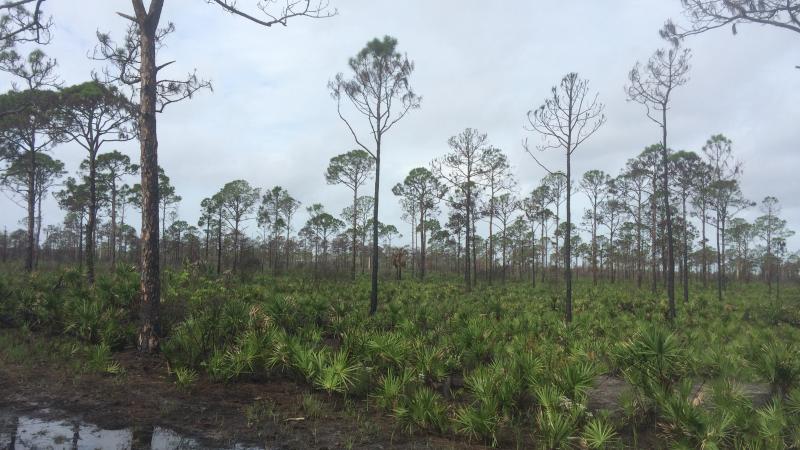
(270, 119)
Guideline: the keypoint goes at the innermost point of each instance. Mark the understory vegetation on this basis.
(497, 365)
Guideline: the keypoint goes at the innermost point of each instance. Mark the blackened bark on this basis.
(373, 297)
(30, 253)
(91, 224)
(38, 231)
(113, 237)
(533, 256)
(422, 242)
(219, 241)
(355, 233)
(150, 286)
(639, 248)
(685, 279)
(654, 235)
(568, 238)
(668, 212)
(467, 240)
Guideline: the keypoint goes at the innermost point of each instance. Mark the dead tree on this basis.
(568, 117)
(652, 86)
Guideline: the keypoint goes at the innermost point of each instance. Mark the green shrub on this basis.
(598, 434)
(392, 388)
(652, 359)
(478, 421)
(185, 377)
(779, 364)
(337, 373)
(424, 410)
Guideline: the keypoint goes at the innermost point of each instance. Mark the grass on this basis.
(312, 407)
(497, 365)
(260, 412)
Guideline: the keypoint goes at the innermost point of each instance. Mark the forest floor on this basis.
(289, 364)
(275, 414)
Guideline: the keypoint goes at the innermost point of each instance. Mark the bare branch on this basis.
(291, 8)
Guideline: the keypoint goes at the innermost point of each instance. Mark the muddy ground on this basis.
(267, 414)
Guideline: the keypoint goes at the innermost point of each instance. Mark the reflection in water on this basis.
(26, 432)
(38, 433)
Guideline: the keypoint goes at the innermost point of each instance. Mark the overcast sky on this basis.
(271, 121)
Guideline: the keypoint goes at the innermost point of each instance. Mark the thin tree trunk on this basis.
(544, 249)
(490, 256)
(467, 236)
(219, 243)
(113, 237)
(286, 244)
(80, 244)
(568, 239)
(373, 297)
(91, 226)
(236, 247)
(38, 229)
(31, 250)
(654, 235)
(533, 256)
(685, 254)
(719, 262)
(722, 256)
(639, 247)
(668, 211)
(422, 248)
(611, 257)
(474, 254)
(705, 249)
(594, 242)
(503, 245)
(355, 232)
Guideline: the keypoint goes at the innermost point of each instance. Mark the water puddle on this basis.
(31, 431)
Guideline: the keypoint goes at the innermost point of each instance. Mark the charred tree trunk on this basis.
(639, 247)
(568, 239)
(373, 297)
(150, 286)
(533, 256)
(355, 233)
(91, 225)
(668, 212)
(653, 236)
(38, 229)
(113, 237)
(705, 248)
(30, 253)
(467, 240)
(422, 248)
(219, 242)
(685, 279)
(474, 254)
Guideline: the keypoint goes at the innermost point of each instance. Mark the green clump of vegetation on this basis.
(492, 365)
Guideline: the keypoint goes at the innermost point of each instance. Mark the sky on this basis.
(270, 119)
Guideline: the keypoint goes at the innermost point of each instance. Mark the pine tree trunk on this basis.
(150, 286)
(31, 200)
(668, 211)
(567, 240)
(113, 236)
(91, 225)
(467, 236)
(355, 233)
(373, 297)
